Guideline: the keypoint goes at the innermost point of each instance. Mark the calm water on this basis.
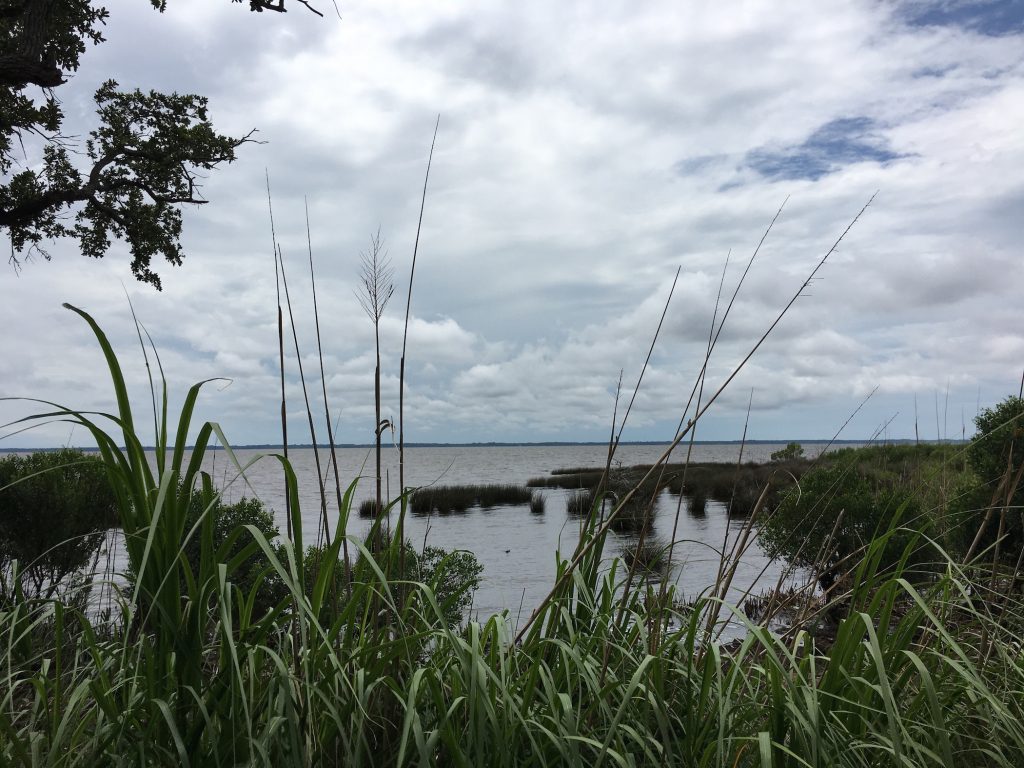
(516, 548)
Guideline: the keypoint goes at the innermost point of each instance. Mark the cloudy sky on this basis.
(585, 152)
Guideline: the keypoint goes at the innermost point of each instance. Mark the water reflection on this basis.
(518, 547)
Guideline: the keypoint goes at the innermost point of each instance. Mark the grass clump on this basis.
(737, 486)
(447, 499)
(369, 509)
(647, 556)
(579, 504)
(697, 503)
(537, 503)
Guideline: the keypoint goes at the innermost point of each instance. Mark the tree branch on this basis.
(27, 66)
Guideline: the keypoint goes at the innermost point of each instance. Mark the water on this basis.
(516, 548)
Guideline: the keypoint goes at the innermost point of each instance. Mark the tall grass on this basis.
(912, 677)
(190, 672)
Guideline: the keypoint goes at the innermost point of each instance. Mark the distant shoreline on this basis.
(548, 444)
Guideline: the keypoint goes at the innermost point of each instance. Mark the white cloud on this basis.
(584, 153)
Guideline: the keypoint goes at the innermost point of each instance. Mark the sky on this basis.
(585, 152)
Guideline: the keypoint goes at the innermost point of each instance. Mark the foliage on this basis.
(911, 677)
(259, 6)
(144, 158)
(227, 518)
(253, 573)
(789, 453)
(991, 500)
(999, 443)
(55, 508)
(453, 576)
(839, 507)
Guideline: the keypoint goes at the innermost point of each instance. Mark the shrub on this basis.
(256, 569)
(997, 452)
(1000, 437)
(864, 501)
(454, 577)
(230, 538)
(55, 508)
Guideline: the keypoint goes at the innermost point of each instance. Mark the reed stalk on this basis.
(405, 337)
(342, 529)
(915, 673)
(280, 348)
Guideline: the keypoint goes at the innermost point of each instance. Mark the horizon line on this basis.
(514, 444)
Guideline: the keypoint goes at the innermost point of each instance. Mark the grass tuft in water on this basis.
(537, 503)
(447, 499)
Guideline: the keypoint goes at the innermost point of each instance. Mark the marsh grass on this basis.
(368, 509)
(537, 503)
(448, 499)
(579, 504)
(190, 672)
(570, 480)
(737, 486)
(697, 504)
(647, 556)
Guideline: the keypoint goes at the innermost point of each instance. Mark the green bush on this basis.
(1000, 437)
(229, 539)
(996, 454)
(255, 570)
(836, 511)
(454, 577)
(55, 508)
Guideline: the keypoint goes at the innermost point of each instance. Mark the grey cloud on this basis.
(485, 56)
(584, 153)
